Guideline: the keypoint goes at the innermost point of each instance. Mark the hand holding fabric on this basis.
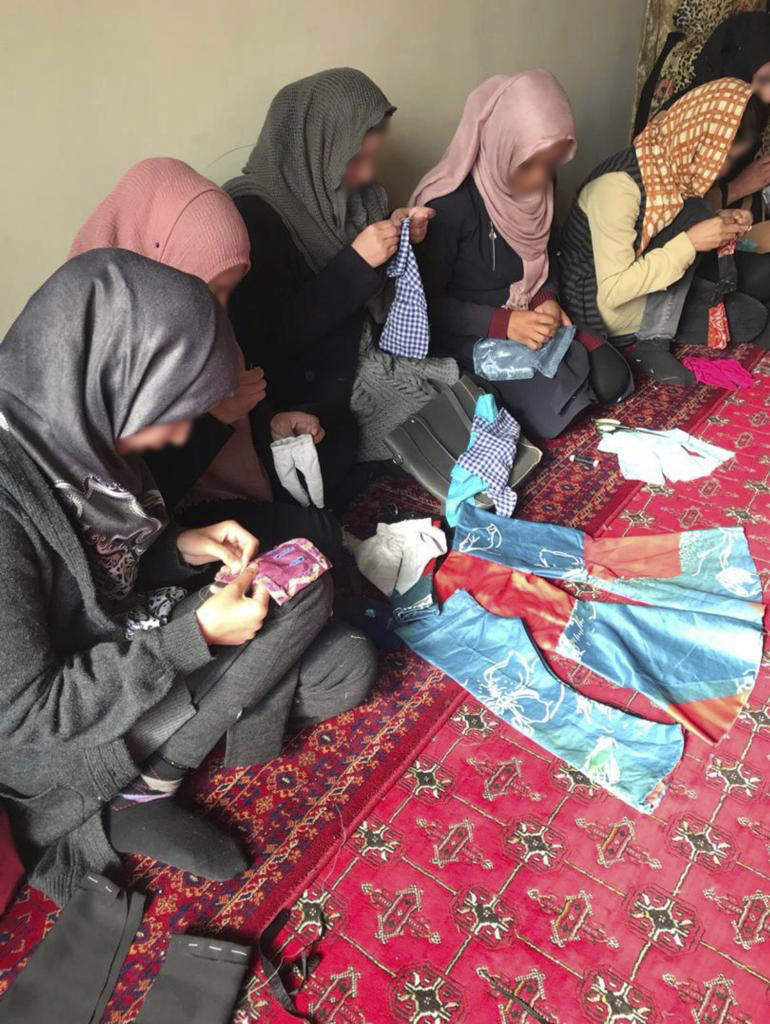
(740, 218)
(552, 308)
(377, 243)
(531, 328)
(231, 616)
(715, 231)
(225, 542)
(294, 424)
(418, 216)
(251, 389)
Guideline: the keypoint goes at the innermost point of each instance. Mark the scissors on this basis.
(607, 425)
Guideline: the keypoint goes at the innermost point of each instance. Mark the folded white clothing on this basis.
(396, 556)
(299, 453)
(672, 455)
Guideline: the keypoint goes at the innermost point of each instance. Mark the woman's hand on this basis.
(377, 243)
(225, 542)
(742, 218)
(420, 215)
(292, 424)
(531, 328)
(552, 308)
(231, 616)
(710, 234)
(252, 388)
(751, 179)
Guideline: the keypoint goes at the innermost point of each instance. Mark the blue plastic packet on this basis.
(498, 359)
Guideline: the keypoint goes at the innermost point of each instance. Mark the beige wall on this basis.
(87, 87)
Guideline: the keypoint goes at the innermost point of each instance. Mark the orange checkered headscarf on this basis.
(680, 153)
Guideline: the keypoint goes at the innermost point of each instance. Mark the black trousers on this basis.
(753, 273)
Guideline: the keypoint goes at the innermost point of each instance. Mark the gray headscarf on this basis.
(110, 344)
(312, 129)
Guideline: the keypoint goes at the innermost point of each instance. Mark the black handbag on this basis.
(428, 444)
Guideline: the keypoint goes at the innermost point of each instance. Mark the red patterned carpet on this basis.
(564, 911)
(493, 883)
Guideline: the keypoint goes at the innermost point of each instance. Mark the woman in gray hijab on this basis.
(311, 307)
(115, 680)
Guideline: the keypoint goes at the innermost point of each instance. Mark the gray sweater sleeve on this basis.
(48, 699)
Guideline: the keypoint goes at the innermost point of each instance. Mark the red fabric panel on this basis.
(709, 719)
(656, 555)
(509, 593)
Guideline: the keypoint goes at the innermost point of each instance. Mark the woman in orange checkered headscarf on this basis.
(643, 220)
(681, 152)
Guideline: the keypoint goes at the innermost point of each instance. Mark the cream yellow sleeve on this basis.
(611, 204)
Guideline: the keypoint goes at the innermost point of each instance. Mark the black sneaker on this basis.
(653, 357)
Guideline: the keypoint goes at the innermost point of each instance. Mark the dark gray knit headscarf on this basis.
(312, 129)
(110, 344)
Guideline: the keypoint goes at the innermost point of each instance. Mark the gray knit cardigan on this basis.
(71, 685)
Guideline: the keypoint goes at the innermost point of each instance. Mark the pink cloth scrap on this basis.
(285, 570)
(719, 373)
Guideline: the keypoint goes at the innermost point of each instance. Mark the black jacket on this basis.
(177, 470)
(303, 328)
(467, 269)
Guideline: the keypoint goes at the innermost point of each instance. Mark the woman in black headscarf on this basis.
(114, 682)
(740, 48)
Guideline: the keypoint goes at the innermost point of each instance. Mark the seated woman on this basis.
(740, 48)
(311, 307)
(485, 264)
(635, 232)
(166, 211)
(114, 682)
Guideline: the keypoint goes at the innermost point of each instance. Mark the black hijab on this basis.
(735, 49)
(110, 344)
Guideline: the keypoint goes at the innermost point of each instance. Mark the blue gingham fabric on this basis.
(406, 331)
(487, 461)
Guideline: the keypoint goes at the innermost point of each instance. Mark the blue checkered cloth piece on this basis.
(491, 455)
(406, 331)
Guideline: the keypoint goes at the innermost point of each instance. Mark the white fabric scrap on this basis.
(671, 455)
(299, 453)
(396, 556)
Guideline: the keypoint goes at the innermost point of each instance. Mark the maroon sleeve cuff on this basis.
(498, 325)
(544, 295)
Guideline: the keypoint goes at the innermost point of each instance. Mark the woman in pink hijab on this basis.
(164, 210)
(485, 263)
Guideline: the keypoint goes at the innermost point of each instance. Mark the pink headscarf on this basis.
(506, 120)
(166, 211)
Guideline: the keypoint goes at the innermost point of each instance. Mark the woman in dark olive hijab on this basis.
(311, 308)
